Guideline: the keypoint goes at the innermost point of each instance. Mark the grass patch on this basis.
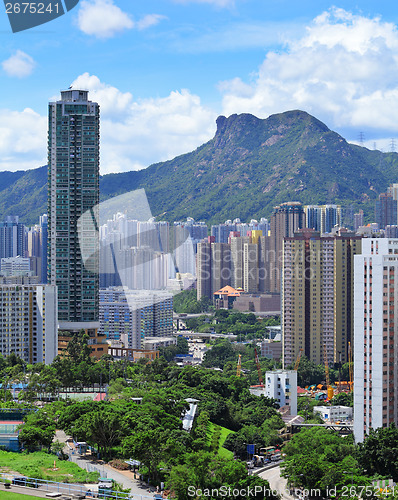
(221, 450)
(7, 495)
(214, 431)
(40, 465)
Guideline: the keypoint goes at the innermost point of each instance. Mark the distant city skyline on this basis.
(162, 71)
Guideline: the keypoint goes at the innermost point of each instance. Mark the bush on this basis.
(119, 464)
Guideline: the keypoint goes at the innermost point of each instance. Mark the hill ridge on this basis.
(247, 168)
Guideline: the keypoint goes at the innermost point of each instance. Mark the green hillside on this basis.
(249, 166)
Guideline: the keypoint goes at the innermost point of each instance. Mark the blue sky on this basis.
(163, 71)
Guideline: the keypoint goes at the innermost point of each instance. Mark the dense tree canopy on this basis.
(318, 459)
(378, 454)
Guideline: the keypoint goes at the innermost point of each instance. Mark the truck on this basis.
(105, 486)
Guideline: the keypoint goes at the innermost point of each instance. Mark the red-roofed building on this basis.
(225, 297)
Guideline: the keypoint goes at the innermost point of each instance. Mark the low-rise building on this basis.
(96, 341)
(334, 414)
(282, 386)
(154, 343)
(15, 266)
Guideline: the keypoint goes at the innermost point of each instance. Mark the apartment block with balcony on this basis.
(317, 295)
(282, 386)
(28, 322)
(375, 336)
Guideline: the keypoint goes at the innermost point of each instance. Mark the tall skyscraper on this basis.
(393, 190)
(43, 225)
(73, 185)
(213, 263)
(12, 237)
(386, 210)
(237, 247)
(375, 336)
(322, 218)
(285, 220)
(358, 220)
(37, 248)
(203, 268)
(317, 295)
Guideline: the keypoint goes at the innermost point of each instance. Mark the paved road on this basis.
(125, 478)
(276, 482)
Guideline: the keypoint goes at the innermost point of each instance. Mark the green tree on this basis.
(378, 454)
(148, 446)
(102, 427)
(78, 349)
(219, 354)
(309, 373)
(313, 455)
(343, 399)
(38, 431)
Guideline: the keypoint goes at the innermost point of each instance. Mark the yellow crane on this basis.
(329, 387)
(296, 365)
(239, 368)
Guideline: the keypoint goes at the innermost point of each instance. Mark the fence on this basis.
(70, 489)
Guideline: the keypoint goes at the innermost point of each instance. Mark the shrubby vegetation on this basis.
(152, 430)
(320, 459)
(186, 302)
(246, 325)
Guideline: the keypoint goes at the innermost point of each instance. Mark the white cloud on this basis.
(102, 18)
(344, 70)
(237, 36)
(149, 20)
(113, 102)
(217, 3)
(22, 139)
(19, 64)
(136, 133)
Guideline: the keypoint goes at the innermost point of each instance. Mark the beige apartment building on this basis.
(317, 295)
(286, 219)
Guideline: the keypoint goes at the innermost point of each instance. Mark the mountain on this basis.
(24, 193)
(249, 166)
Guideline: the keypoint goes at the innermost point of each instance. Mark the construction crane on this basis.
(296, 365)
(350, 367)
(329, 387)
(239, 368)
(260, 377)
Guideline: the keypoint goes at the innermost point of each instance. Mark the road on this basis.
(125, 478)
(276, 482)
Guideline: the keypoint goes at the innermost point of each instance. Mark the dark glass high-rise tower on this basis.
(73, 190)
